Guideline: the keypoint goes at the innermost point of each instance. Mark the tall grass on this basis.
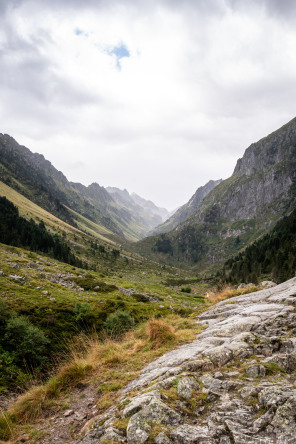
(112, 363)
(229, 292)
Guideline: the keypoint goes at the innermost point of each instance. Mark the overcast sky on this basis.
(154, 96)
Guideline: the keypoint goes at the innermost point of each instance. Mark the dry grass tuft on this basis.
(6, 426)
(112, 363)
(229, 292)
(159, 333)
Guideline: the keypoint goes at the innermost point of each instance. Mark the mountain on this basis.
(188, 209)
(149, 206)
(37, 179)
(261, 190)
(273, 255)
(144, 211)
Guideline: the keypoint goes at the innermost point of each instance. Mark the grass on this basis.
(229, 292)
(160, 332)
(111, 364)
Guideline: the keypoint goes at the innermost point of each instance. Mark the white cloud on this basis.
(202, 80)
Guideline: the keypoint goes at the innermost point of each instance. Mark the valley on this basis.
(97, 284)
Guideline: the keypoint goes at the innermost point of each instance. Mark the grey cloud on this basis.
(279, 8)
(26, 68)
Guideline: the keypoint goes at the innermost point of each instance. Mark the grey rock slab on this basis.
(285, 361)
(267, 284)
(111, 435)
(219, 355)
(273, 396)
(162, 438)
(138, 430)
(198, 365)
(187, 434)
(255, 371)
(145, 378)
(138, 402)
(235, 325)
(160, 413)
(239, 349)
(215, 385)
(243, 436)
(263, 421)
(186, 387)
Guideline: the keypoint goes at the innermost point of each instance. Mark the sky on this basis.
(156, 96)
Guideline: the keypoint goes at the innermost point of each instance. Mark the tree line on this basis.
(273, 255)
(20, 232)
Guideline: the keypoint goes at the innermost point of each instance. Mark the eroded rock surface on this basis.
(234, 384)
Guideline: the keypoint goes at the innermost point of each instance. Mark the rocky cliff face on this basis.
(234, 384)
(188, 209)
(238, 210)
(262, 180)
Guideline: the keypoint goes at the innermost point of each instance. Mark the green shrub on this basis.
(26, 343)
(83, 313)
(89, 283)
(4, 316)
(119, 322)
(186, 289)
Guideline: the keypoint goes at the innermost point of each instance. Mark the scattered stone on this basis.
(186, 386)
(15, 277)
(68, 413)
(285, 362)
(187, 434)
(273, 396)
(267, 284)
(111, 435)
(138, 402)
(162, 438)
(138, 430)
(160, 413)
(255, 371)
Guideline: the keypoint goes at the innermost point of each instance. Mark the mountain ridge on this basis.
(35, 177)
(238, 210)
(187, 209)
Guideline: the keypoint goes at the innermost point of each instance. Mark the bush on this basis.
(159, 332)
(186, 289)
(119, 322)
(26, 343)
(83, 313)
(4, 316)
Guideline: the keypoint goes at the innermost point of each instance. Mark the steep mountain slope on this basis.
(273, 256)
(38, 180)
(144, 211)
(188, 209)
(149, 206)
(236, 212)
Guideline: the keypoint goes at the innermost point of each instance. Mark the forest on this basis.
(20, 232)
(273, 256)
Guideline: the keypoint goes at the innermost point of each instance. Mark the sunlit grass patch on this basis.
(229, 292)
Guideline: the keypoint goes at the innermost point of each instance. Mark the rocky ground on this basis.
(234, 384)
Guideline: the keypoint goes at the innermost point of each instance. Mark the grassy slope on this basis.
(28, 209)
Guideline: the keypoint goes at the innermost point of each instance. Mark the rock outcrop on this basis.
(188, 209)
(234, 384)
(238, 210)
